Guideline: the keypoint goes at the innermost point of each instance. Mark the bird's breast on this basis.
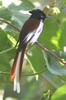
(36, 33)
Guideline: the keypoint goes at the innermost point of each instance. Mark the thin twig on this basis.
(50, 53)
(4, 51)
(33, 74)
(8, 23)
(37, 43)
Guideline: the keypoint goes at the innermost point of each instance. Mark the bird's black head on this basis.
(38, 14)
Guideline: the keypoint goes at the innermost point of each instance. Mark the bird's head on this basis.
(38, 14)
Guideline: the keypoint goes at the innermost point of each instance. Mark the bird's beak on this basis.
(30, 11)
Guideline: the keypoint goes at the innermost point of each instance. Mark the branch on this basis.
(50, 53)
(37, 43)
(8, 23)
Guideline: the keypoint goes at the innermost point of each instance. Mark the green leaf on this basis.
(5, 57)
(46, 95)
(53, 65)
(60, 94)
(53, 35)
(4, 42)
(24, 5)
(36, 59)
(5, 13)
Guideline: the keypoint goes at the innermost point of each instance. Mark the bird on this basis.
(29, 34)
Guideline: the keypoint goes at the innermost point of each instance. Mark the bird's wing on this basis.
(29, 26)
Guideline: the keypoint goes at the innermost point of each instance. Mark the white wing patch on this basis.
(37, 33)
(33, 36)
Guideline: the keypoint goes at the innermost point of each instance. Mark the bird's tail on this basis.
(17, 66)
